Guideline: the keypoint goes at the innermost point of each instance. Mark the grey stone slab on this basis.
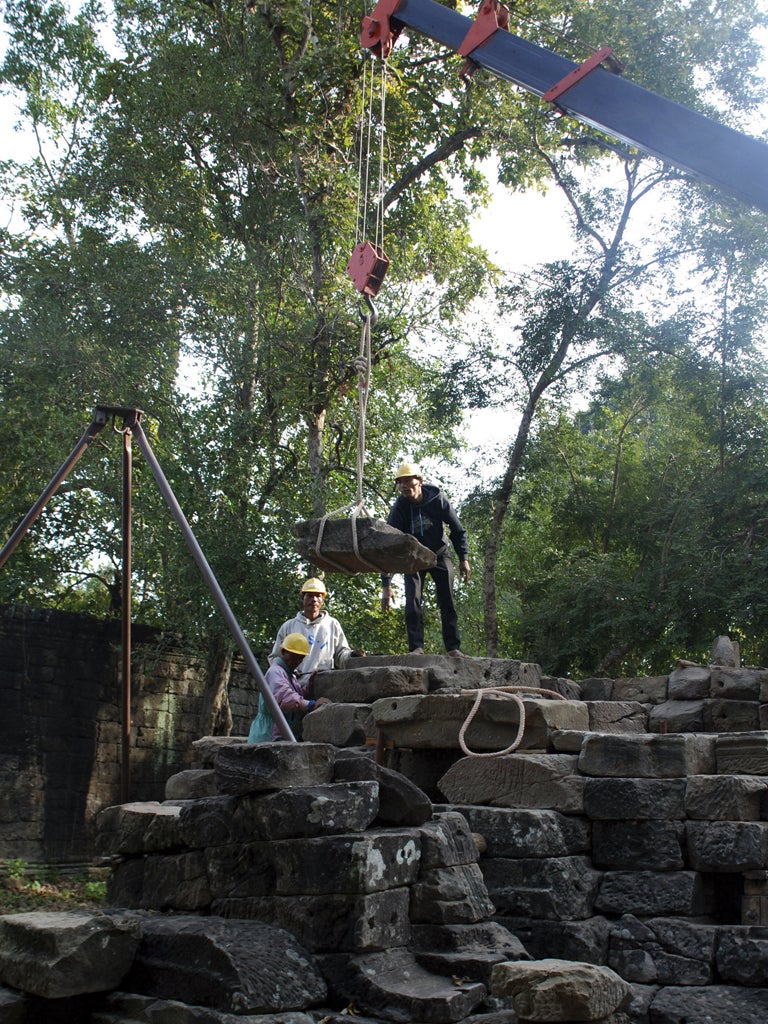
(191, 784)
(585, 940)
(401, 802)
(638, 845)
(655, 756)
(663, 951)
(689, 682)
(731, 715)
(521, 832)
(13, 1006)
(745, 754)
(634, 799)
(654, 894)
(446, 841)
(234, 966)
(206, 748)
(726, 797)
(342, 725)
(678, 716)
(620, 716)
(139, 827)
(392, 984)
(742, 956)
(67, 953)
(435, 721)
(550, 888)
(265, 767)
(733, 683)
(709, 1004)
(599, 688)
(161, 882)
(560, 990)
(366, 684)
(727, 846)
(544, 781)
(240, 869)
(381, 547)
(214, 821)
(451, 895)
(643, 689)
(357, 863)
(131, 1008)
(334, 921)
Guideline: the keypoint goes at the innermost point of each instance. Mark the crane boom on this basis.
(709, 151)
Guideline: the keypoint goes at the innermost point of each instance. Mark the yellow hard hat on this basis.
(408, 469)
(313, 586)
(296, 643)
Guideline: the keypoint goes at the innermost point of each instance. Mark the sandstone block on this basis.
(391, 984)
(142, 827)
(643, 689)
(67, 953)
(455, 895)
(130, 1008)
(731, 715)
(365, 685)
(715, 1004)
(689, 682)
(653, 894)
(161, 882)
(242, 967)
(585, 940)
(731, 683)
(342, 725)
(381, 547)
(207, 747)
(516, 832)
(465, 950)
(742, 956)
(545, 781)
(560, 990)
(446, 841)
(647, 757)
(264, 767)
(617, 716)
(400, 801)
(677, 716)
(746, 754)
(240, 869)
(634, 799)
(191, 784)
(551, 888)
(663, 951)
(727, 846)
(726, 797)
(214, 821)
(434, 721)
(638, 845)
(334, 921)
(597, 689)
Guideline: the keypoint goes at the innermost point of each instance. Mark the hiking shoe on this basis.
(417, 650)
(457, 654)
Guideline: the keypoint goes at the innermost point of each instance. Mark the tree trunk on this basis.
(215, 714)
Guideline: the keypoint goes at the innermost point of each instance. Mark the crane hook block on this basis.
(377, 34)
(367, 266)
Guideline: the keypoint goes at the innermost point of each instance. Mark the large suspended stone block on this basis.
(560, 990)
(69, 953)
(381, 547)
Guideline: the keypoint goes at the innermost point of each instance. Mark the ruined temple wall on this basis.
(61, 731)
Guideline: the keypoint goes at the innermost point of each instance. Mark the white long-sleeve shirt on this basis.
(328, 646)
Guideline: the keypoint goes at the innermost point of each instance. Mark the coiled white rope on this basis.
(509, 693)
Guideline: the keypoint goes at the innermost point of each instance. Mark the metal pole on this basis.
(96, 426)
(125, 613)
(213, 585)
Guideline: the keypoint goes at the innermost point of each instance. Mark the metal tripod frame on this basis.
(132, 428)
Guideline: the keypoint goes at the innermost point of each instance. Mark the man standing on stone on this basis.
(328, 647)
(423, 511)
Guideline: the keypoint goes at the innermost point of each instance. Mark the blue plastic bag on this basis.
(262, 725)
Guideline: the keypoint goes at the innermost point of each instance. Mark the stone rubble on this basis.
(613, 868)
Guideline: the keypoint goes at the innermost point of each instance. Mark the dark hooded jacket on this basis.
(426, 521)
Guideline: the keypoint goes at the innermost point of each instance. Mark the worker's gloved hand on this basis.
(322, 701)
(387, 598)
(465, 570)
(357, 654)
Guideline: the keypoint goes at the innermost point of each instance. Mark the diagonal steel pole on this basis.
(95, 427)
(213, 585)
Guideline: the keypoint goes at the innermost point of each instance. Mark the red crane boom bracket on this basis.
(377, 33)
(491, 16)
(604, 54)
(367, 266)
